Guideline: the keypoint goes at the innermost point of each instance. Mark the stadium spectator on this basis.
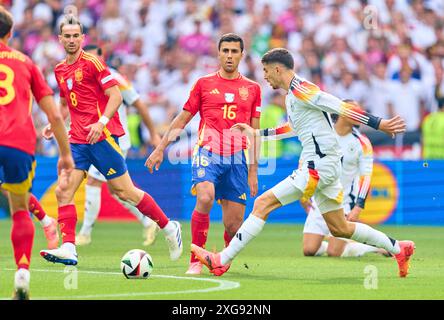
(407, 98)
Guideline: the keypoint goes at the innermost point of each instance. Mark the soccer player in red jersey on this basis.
(219, 168)
(20, 80)
(92, 96)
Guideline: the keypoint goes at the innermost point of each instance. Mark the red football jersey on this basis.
(20, 78)
(222, 103)
(83, 85)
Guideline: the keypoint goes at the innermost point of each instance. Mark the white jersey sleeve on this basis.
(312, 95)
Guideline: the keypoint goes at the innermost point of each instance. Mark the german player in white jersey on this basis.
(319, 172)
(357, 167)
(95, 180)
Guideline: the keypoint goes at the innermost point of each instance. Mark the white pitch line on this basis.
(223, 285)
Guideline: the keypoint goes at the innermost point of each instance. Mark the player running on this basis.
(92, 95)
(21, 79)
(318, 175)
(93, 188)
(357, 167)
(219, 166)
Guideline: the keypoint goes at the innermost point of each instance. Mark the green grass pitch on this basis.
(271, 267)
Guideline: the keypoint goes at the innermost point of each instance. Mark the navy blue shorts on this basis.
(17, 170)
(229, 174)
(105, 155)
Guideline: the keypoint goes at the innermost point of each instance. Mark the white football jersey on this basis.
(129, 95)
(357, 166)
(308, 110)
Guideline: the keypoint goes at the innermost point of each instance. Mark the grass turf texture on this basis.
(272, 267)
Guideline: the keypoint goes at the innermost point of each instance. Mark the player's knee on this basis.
(205, 199)
(122, 194)
(309, 251)
(232, 227)
(61, 195)
(260, 204)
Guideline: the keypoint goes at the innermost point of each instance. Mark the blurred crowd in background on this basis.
(387, 55)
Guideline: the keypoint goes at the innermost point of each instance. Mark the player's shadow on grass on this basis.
(267, 277)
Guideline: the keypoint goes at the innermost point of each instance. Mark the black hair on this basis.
(231, 37)
(279, 55)
(90, 47)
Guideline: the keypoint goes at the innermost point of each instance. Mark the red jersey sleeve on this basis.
(102, 74)
(39, 87)
(256, 112)
(194, 101)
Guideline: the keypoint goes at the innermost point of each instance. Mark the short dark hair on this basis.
(90, 47)
(279, 55)
(6, 22)
(71, 20)
(231, 37)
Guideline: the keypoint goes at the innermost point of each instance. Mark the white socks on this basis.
(69, 247)
(169, 229)
(92, 208)
(251, 227)
(367, 235)
(144, 220)
(356, 249)
(322, 249)
(46, 221)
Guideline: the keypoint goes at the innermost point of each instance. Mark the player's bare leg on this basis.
(150, 228)
(340, 227)
(124, 188)
(348, 248)
(314, 245)
(250, 228)
(22, 237)
(66, 253)
(200, 221)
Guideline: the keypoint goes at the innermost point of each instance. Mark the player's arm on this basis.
(283, 131)
(114, 102)
(254, 159)
(329, 103)
(365, 176)
(146, 118)
(173, 132)
(65, 164)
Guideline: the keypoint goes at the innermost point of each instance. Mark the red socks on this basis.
(151, 209)
(22, 237)
(200, 223)
(67, 223)
(227, 238)
(36, 208)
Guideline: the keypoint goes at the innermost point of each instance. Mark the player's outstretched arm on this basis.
(281, 132)
(176, 127)
(329, 103)
(146, 118)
